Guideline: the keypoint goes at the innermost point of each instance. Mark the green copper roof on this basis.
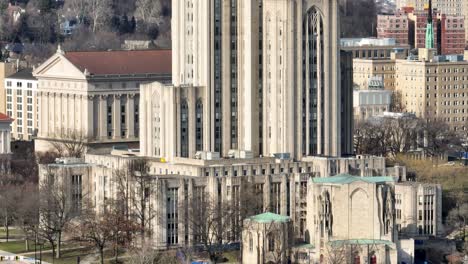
(339, 243)
(429, 36)
(270, 217)
(305, 246)
(346, 178)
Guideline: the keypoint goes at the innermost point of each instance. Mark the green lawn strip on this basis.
(14, 233)
(68, 255)
(17, 247)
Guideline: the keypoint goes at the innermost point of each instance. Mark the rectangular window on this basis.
(8, 83)
(29, 85)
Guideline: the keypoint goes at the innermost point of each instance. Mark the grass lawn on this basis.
(232, 256)
(69, 256)
(19, 246)
(13, 233)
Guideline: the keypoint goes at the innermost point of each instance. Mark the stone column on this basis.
(3, 141)
(130, 116)
(8, 141)
(86, 113)
(116, 125)
(102, 120)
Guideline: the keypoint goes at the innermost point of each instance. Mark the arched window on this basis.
(271, 243)
(312, 74)
(184, 133)
(199, 126)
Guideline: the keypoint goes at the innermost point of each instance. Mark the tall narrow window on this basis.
(199, 125)
(312, 74)
(184, 134)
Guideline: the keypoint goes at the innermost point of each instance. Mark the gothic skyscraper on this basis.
(261, 76)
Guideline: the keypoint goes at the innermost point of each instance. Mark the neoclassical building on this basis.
(94, 96)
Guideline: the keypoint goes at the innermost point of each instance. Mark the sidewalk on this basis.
(7, 257)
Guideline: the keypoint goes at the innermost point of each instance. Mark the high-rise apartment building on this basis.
(435, 87)
(242, 82)
(22, 104)
(429, 86)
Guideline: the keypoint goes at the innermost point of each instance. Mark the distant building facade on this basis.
(434, 87)
(394, 26)
(373, 48)
(408, 26)
(95, 95)
(6, 69)
(371, 102)
(429, 86)
(22, 104)
(5, 142)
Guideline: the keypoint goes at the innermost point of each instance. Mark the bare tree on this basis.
(402, 134)
(209, 221)
(142, 191)
(457, 217)
(70, 143)
(277, 244)
(437, 136)
(28, 213)
(9, 196)
(55, 212)
(99, 13)
(148, 11)
(110, 229)
(396, 104)
(370, 138)
(147, 255)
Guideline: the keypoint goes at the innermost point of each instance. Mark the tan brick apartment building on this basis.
(430, 86)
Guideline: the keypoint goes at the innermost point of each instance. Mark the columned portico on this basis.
(102, 117)
(130, 114)
(99, 103)
(116, 113)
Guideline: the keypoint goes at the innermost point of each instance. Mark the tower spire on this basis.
(429, 28)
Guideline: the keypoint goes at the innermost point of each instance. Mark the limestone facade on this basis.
(95, 107)
(259, 97)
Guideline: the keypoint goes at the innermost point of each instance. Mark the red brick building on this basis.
(408, 26)
(393, 26)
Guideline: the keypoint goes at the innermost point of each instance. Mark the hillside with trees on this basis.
(82, 24)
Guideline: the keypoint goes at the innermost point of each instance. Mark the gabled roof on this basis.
(346, 179)
(5, 118)
(270, 217)
(122, 62)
